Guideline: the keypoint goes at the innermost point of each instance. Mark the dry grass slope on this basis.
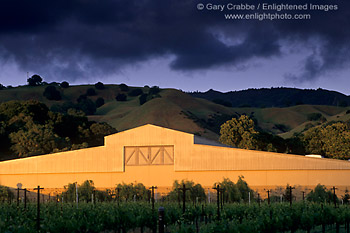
(174, 108)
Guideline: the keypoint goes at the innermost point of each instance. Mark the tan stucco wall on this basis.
(201, 163)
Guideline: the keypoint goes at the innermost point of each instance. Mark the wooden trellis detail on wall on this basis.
(148, 155)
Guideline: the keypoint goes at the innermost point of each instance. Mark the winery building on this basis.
(156, 156)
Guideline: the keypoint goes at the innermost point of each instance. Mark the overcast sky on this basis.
(170, 43)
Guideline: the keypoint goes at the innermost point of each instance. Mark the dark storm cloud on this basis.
(70, 39)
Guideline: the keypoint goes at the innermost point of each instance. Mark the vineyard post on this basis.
(152, 196)
(38, 209)
(259, 199)
(25, 198)
(184, 189)
(334, 197)
(249, 197)
(161, 220)
(268, 196)
(290, 195)
(303, 195)
(218, 190)
(17, 197)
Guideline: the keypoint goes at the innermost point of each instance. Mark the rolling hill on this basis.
(276, 97)
(178, 110)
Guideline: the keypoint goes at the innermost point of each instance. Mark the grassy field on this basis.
(177, 110)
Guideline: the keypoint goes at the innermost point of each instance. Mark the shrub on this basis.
(135, 92)
(6, 193)
(314, 116)
(64, 84)
(99, 86)
(121, 97)
(123, 87)
(143, 99)
(132, 191)
(320, 194)
(35, 80)
(195, 191)
(154, 90)
(87, 106)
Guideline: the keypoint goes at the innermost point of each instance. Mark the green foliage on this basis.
(129, 192)
(64, 84)
(124, 87)
(276, 97)
(99, 86)
(332, 140)
(99, 102)
(29, 128)
(154, 90)
(315, 117)
(35, 80)
(35, 139)
(6, 194)
(85, 192)
(346, 197)
(139, 217)
(286, 196)
(135, 92)
(230, 190)
(121, 97)
(86, 105)
(51, 93)
(235, 192)
(295, 146)
(242, 133)
(320, 195)
(143, 99)
(195, 191)
(239, 133)
(244, 189)
(31, 108)
(82, 108)
(98, 131)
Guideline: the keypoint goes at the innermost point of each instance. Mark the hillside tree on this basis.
(239, 133)
(329, 140)
(35, 80)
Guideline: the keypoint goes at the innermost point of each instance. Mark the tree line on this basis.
(328, 139)
(29, 128)
(230, 192)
